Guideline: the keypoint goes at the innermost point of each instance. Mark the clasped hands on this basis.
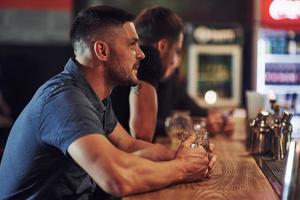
(198, 163)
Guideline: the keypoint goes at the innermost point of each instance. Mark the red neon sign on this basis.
(280, 14)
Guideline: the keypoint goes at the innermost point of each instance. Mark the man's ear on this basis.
(162, 46)
(101, 50)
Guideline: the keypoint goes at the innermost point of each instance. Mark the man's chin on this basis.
(129, 82)
(133, 82)
(165, 77)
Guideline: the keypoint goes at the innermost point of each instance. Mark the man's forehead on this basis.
(179, 41)
(124, 32)
(130, 30)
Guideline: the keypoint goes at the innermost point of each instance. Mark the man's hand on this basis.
(212, 159)
(195, 160)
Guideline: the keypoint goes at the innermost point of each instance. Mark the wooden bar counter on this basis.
(237, 176)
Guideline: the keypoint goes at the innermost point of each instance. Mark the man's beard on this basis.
(117, 79)
(118, 76)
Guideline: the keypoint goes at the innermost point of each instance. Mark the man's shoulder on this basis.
(61, 83)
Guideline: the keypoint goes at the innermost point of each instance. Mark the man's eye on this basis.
(134, 44)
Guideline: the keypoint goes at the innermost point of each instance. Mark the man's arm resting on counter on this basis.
(120, 173)
(156, 152)
(143, 111)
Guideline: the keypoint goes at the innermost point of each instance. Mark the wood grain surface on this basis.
(236, 176)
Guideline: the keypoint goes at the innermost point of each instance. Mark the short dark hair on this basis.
(156, 23)
(96, 19)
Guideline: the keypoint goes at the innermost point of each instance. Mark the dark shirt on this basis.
(36, 164)
(150, 71)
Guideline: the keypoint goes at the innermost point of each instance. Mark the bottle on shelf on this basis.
(292, 45)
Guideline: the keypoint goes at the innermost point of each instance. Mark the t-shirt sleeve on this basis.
(150, 67)
(68, 116)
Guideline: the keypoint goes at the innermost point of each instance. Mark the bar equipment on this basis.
(278, 139)
(261, 135)
(287, 128)
(292, 174)
(252, 127)
(278, 144)
(270, 132)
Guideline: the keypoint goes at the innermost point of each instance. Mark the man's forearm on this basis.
(155, 152)
(143, 111)
(155, 175)
(122, 140)
(124, 174)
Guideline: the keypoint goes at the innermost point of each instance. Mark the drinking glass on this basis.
(178, 127)
(202, 135)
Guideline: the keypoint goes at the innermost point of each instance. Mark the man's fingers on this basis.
(211, 171)
(212, 162)
(211, 147)
(190, 140)
(201, 151)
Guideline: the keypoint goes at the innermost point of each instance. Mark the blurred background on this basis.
(246, 44)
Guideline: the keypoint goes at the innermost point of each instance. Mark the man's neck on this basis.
(98, 83)
(95, 76)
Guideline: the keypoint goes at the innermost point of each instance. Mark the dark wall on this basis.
(25, 67)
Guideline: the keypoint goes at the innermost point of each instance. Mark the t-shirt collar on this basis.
(73, 67)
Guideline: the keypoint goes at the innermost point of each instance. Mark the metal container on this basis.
(250, 132)
(278, 139)
(261, 143)
(287, 128)
(291, 188)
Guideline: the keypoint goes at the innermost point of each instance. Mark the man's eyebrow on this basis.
(135, 39)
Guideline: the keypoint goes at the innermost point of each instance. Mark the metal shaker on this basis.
(292, 173)
(261, 135)
(286, 128)
(251, 129)
(278, 145)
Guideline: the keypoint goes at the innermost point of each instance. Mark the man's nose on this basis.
(175, 62)
(140, 54)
